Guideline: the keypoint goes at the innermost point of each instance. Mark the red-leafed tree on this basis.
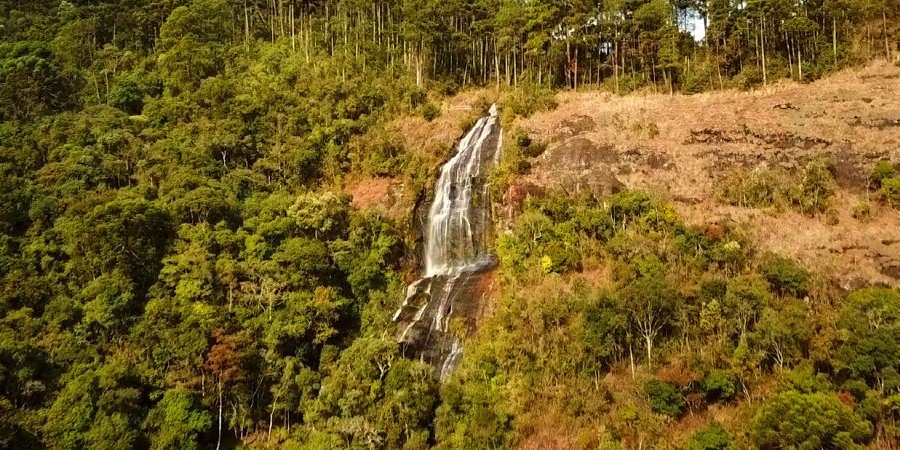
(223, 361)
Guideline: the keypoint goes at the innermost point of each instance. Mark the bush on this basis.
(786, 277)
(430, 112)
(882, 171)
(527, 146)
(862, 212)
(750, 77)
(665, 398)
(817, 186)
(127, 94)
(761, 187)
(526, 100)
(720, 384)
(712, 437)
(890, 191)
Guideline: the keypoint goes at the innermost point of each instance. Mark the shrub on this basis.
(720, 384)
(816, 187)
(890, 191)
(761, 187)
(127, 94)
(527, 146)
(786, 277)
(430, 112)
(862, 212)
(882, 171)
(712, 437)
(750, 77)
(665, 398)
(526, 100)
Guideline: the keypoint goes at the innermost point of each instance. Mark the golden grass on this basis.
(681, 147)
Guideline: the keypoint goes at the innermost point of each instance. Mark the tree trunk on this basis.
(762, 29)
(219, 440)
(834, 39)
(887, 47)
(631, 358)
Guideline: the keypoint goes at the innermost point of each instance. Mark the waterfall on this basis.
(457, 253)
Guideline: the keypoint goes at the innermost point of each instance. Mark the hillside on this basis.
(686, 272)
(266, 224)
(683, 148)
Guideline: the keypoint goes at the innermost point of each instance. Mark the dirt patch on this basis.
(388, 196)
(847, 168)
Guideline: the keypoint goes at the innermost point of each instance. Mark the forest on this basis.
(181, 268)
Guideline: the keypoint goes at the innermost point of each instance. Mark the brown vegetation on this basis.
(683, 147)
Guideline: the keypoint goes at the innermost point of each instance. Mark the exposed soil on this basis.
(680, 147)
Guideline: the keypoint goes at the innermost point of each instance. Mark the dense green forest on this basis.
(180, 268)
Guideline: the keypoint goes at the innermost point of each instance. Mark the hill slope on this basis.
(686, 147)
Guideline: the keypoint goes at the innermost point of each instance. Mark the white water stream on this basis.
(456, 250)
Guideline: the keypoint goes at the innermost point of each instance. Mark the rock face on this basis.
(444, 302)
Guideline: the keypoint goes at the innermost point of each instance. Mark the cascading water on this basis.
(456, 253)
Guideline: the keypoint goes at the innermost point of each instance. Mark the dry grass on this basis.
(428, 143)
(433, 140)
(680, 147)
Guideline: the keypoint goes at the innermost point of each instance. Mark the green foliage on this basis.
(176, 249)
(537, 241)
(758, 188)
(870, 345)
(430, 112)
(525, 100)
(720, 384)
(862, 212)
(178, 421)
(786, 277)
(815, 188)
(528, 146)
(890, 191)
(882, 170)
(128, 94)
(33, 82)
(808, 189)
(793, 419)
(711, 437)
(193, 42)
(372, 396)
(665, 398)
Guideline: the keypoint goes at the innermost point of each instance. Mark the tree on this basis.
(817, 420)
(665, 398)
(193, 42)
(177, 421)
(121, 231)
(786, 277)
(32, 81)
(870, 337)
(743, 301)
(649, 301)
(224, 361)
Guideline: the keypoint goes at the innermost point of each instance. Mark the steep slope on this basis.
(685, 148)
